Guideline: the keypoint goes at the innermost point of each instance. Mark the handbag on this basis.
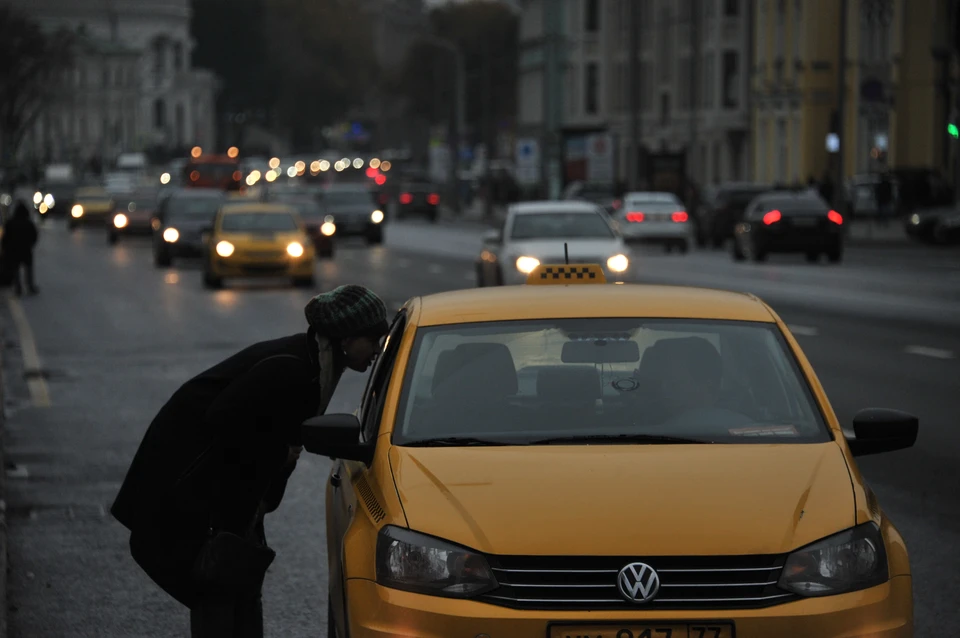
(231, 564)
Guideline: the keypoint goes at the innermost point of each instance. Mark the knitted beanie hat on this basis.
(347, 311)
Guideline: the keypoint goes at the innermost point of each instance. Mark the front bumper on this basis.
(654, 232)
(885, 611)
(91, 217)
(513, 277)
(798, 241)
(348, 226)
(290, 267)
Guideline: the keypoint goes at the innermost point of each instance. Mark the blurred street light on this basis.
(358, 163)
(375, 163)
(315, 166)
(272, 176)
(275, 163)
(196, 152)
(165, 178)
(292, 171)
(385, 166)
(233, 152)
(324, 165)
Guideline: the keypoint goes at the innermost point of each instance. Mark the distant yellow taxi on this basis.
(90, 206)
(576, 458)
(258, 240)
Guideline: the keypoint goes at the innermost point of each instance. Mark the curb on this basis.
(3, 499)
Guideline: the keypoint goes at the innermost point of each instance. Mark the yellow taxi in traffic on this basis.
(604, 461)
(258, 240)
(91, 205)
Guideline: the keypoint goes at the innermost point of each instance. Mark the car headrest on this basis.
(697, 354)
(566, 384)
(476, 370)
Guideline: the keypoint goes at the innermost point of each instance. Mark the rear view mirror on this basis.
(600, 351)
(336, 436)
(491, 237)
(878, 430)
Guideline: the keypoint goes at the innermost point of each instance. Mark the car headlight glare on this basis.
(849, 561)
(49, 200)
(915, 219)
(422, 564)
(225, 249)
(526, 265)
(171, 235)
(37, 197)
(618, 263)
(376, 216)
(77, 211)
(120, 220)
(328, 228)
(295, 249)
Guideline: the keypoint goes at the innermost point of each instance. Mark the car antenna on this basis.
(566, 254)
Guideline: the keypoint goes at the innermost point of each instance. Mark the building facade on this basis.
(131, 51)
(897, 89)
(693, 80)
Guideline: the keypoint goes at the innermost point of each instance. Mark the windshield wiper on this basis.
(455, 441)
(617, 438)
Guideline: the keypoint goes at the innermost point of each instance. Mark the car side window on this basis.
(371, 405)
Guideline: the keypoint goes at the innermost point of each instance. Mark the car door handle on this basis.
(335, 479)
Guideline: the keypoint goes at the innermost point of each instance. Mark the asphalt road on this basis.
(114, 337)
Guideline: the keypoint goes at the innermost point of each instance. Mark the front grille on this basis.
(590, 583)
(273, 255)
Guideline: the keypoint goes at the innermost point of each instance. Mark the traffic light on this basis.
(953, 130)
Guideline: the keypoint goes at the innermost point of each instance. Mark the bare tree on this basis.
(29, 75)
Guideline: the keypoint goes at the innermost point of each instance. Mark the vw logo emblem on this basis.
(638, 583)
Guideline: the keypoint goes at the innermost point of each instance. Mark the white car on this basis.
(656, 218)
(535, 233)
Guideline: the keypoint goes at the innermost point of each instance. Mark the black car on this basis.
(134, 214)
(319, 225)
(933, 225)
(418, 198)
(723, 209)
(789, 222)
(182, 220)
(355, 211)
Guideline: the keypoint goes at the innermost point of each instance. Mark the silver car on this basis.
(535, 233)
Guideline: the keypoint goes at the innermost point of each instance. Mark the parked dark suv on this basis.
(722, 209)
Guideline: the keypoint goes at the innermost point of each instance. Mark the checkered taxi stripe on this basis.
(567, 274)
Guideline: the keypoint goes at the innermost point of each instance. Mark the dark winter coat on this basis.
(19, 237)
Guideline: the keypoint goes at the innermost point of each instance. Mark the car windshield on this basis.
(193, 207)
(560, 225)
(652, 207)
(597, 380)
(308, 208)
(348, 198)
(253, 222)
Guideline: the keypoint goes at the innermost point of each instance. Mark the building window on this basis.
(591, 19)
(683, 76)
(592, 83)
(709, 80)
(731, 8)
(781, 25)
(159, 114)
(797, 30)
(181, 124)
(646, 82)
(666, 45)
(715, 173)
(664, 109)
(159, 58)
(731, 80)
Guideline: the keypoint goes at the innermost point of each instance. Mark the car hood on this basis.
(261, 240)
(578, 249)
(667, 500)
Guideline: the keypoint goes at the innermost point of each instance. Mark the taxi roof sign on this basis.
(565, 274)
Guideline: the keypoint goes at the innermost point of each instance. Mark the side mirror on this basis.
(491, 237)
(336, 436)
(878, 430)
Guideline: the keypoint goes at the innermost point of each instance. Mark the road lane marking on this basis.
(923, 351)
(435, 269)
(804, 331)
(32, 366)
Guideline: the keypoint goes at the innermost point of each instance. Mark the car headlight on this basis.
(915, 219)
(376, 216)
(49, 200)
(77, 211)
(849, 561)
(295, 249)
(120, 220)
(418, 563)
(328, 228)
(225, 249)
(618, 263)
(526, 265)
(37, 198)
(171, 235)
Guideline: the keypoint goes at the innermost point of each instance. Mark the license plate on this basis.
(665, 630)
(805, 222)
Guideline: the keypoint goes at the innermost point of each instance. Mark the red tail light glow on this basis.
(680, 216)
(634, 217)
(772, 217)
(835, 217)
(237, 176)
(433, 199)
(371, 172)
(381, 180)
(406, 198)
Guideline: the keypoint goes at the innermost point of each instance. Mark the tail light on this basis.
(237, 176)
(680, 216)
(634, 217)
(380, 180)
(406, 198)
(835, 217)
(433, 199)
(772, 217)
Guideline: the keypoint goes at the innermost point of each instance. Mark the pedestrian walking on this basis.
(16, 249)
(218, 456)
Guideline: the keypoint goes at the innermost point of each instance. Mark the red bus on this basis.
(213, 171)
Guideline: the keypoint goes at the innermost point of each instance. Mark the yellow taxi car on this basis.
(257, 240)
(605, 461)
(91, 205)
